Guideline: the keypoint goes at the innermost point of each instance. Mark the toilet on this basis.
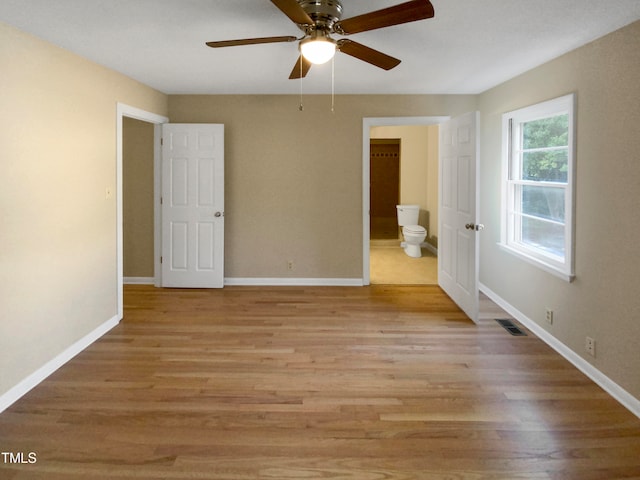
(412, 233)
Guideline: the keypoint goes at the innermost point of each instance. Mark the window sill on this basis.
(567, 277)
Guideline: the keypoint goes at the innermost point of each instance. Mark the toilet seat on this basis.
(413, 235)
(415, 229)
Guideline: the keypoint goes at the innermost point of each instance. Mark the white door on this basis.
(193, 205)
(458, 243)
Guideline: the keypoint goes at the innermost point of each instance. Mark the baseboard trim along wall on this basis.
(139, 281)
(264, 281)
(22, 388)
(288, 282)
(430, 247)
(611, 387)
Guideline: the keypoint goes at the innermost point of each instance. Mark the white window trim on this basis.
(566, 269)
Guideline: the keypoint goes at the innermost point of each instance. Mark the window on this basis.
(538, 166)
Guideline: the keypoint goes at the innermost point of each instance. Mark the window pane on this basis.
(538, 204)
(546, 132)
(545, 202)
(545, 236)
(545, 166)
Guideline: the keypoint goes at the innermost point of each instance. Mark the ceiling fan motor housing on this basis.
(325, 13)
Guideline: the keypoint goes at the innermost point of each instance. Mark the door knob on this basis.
(474, 226)
(218, 214)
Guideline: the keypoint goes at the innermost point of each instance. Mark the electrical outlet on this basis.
(290, 265)
(590, 346)
(549, 316)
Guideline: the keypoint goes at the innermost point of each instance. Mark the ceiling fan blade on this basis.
(250, 41)
(300, 69)
(293, 10)
(366, 54)
(402, 13)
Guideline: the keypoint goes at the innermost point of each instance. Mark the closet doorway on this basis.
(384, 188)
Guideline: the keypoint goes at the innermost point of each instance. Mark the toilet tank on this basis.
(408, 214)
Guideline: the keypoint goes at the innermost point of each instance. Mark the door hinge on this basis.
(160, 200)
(160, 259)
(161, 141)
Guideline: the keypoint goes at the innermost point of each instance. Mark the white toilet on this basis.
(413, 233)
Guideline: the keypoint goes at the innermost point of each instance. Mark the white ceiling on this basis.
(468, 47)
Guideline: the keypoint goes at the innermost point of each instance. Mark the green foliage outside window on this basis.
(545, 149)
(545, 154)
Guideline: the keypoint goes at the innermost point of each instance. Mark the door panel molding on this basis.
(458, 259)
(193, 205)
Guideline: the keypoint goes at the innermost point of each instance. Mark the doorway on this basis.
(137, 201)
(122, 111)
(384, 181)
(409, 151)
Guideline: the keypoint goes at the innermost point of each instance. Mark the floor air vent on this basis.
(511, 327)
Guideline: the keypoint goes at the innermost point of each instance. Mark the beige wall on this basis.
(603, 301)
(138, 228)
(58, 232)
(418, 170)
(294, 179)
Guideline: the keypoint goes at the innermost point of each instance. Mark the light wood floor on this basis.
(389, 265)
(302, 383)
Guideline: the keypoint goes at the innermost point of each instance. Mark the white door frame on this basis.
(367, 123)
(123, 110)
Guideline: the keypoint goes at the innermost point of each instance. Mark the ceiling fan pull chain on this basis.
(333, 84)
(301, 107)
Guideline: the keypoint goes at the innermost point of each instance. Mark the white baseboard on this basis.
(282, 281)
(611, 387)
(430, 247)
(139, 280)
(15, 393)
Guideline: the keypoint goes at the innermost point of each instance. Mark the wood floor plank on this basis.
(252, 383)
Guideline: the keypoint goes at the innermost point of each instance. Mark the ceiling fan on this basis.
(319, 19)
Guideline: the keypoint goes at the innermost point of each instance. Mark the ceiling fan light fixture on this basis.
(318, 49)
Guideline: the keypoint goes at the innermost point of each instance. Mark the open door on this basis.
(193, 205)
(458, 259)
